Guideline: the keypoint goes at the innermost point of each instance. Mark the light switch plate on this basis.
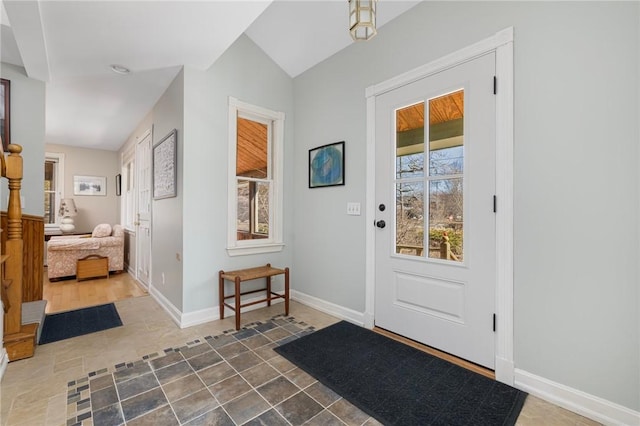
(353, 209)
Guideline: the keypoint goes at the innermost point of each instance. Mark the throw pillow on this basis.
(102, 230)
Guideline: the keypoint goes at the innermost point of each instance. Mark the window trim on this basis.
(275, 242)
(57, 157)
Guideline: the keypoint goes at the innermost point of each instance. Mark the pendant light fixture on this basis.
(362, 19)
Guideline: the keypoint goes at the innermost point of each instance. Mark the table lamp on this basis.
(67, 211)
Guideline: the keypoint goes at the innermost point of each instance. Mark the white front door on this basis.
(435, 253)
(143, 215)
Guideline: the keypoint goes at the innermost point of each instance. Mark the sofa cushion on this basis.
(73, 244)
(101, 231)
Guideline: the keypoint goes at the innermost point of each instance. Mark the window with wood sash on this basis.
(255, 179)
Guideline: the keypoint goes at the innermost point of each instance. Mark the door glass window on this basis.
(442, 215)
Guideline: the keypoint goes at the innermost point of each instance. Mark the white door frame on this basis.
(502, 43)
(147, 133)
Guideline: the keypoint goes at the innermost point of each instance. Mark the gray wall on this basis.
(27, 129)
(167, 214)
(196, 104)
(576, 179)
(92, 210)
(246, 73)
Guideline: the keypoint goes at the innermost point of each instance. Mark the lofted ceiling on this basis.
(70, 45)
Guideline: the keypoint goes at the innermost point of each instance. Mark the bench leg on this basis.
(237, 303)
(286, 291)
(268, 291)
(221, 293)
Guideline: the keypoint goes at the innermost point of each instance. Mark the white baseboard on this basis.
(4, 361)
(212, 314)
(173, 312)
(204, 315)
(200, 317)
(338, 311)
(593, 407)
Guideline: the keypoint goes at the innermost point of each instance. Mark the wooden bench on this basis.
(242, 275)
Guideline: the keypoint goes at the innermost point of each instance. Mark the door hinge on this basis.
(495, 85)
(494, 323)
(495, 204)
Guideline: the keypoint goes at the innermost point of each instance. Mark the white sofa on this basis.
(64, 251)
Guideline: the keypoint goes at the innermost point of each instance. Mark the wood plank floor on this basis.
(66, 295)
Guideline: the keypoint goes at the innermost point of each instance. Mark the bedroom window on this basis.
(255, 179)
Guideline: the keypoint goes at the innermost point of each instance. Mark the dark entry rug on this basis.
(400, 385)
(69, 324)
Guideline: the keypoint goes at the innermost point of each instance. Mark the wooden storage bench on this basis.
(241, 275)
(92, 266)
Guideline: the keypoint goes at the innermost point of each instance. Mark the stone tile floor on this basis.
(233, 378)
(144, 373)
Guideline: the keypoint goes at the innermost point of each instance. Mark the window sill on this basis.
(255, 249)
(51, 229)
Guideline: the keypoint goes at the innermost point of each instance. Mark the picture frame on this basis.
(164, 166)
(118, 184)
(5, 113)
(89, 185)
(326, 165)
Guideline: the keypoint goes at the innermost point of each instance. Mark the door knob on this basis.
(381, 224)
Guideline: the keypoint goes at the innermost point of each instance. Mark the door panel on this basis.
(143, 222)
(435, 164)
(430, 296)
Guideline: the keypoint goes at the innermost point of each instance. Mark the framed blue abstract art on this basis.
(326, 165)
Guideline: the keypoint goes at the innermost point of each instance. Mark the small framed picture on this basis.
(326, 165)
(89, 185)
(164, 166)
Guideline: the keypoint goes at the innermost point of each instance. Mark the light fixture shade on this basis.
(67, 208)
(362, 19)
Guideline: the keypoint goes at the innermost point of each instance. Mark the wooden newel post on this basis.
(14, 244)
(14, 175)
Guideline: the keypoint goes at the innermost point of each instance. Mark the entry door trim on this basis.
(502, 43)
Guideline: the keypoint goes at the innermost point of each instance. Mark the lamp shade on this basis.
(362, 19)
(67, 208)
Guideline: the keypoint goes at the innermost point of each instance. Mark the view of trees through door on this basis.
(443, 214)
